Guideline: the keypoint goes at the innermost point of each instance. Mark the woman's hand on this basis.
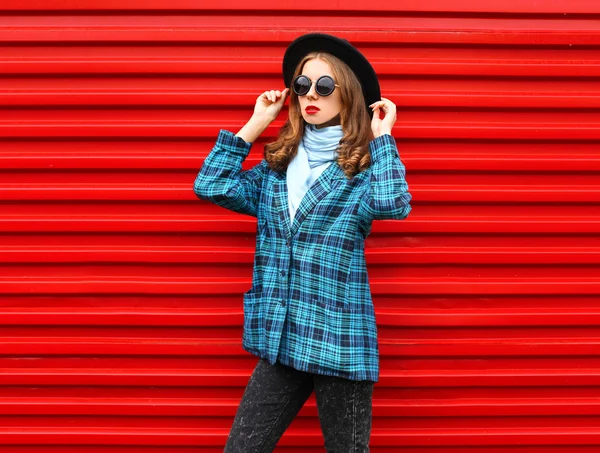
(383, 126)
(269, 104)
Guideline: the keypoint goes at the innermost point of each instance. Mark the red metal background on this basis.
(120, 292)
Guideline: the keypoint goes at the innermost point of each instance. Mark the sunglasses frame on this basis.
(314, 82)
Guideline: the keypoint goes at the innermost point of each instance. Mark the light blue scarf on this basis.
(316, 151)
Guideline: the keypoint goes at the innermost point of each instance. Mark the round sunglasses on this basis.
(324, 85)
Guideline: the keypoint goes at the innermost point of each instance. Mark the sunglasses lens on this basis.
(301, 85)
(325, 86)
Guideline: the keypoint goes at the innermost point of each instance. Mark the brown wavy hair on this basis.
(354, 118)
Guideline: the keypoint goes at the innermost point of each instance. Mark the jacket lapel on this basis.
(281, 201)
(320, 188)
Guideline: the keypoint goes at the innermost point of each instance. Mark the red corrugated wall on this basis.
(120, 292)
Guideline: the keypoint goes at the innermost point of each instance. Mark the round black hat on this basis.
(341, 48)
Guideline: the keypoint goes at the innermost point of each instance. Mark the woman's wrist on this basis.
(253, 128)
(383, 132)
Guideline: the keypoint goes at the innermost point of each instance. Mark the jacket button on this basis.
(283, 303)
(283, 273)
(288, 243)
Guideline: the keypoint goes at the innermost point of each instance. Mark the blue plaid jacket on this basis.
(310, 303)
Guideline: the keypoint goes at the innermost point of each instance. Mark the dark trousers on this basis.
(274, 396)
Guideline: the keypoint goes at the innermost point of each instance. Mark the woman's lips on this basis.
(311, 110)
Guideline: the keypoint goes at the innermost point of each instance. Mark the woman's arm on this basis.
(221, 179)
(386, 196)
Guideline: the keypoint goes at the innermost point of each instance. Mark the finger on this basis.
(389, 108)
(284, 95)
(389, 103)
(381, 104)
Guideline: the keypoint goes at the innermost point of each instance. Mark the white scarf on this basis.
(316, 151)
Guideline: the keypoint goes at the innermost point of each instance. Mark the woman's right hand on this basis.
(269, 104)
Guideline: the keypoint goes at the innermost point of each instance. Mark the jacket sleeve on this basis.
(222, 181)
(386, 195)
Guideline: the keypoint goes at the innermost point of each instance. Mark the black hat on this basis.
(341, 48)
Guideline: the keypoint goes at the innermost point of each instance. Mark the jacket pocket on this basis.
(337, 307)
(343, 339)
(253, 337)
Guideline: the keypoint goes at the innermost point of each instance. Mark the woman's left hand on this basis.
(383, 126)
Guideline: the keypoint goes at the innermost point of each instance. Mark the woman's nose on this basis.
(312, 93)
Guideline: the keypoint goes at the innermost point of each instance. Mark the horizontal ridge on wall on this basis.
(355, 6)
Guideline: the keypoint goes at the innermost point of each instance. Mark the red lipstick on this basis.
(311, 109)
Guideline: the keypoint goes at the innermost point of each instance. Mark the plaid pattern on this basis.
(310, 303)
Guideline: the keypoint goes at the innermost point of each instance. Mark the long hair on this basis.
(353, 153)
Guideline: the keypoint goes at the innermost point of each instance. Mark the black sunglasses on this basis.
(324, 85)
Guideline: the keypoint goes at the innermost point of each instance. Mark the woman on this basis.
(333, 169)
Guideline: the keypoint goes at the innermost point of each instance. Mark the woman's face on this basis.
(328, 107)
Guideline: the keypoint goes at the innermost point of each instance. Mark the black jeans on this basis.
(275, 395)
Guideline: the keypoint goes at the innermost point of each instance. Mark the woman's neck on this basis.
(332, 122)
